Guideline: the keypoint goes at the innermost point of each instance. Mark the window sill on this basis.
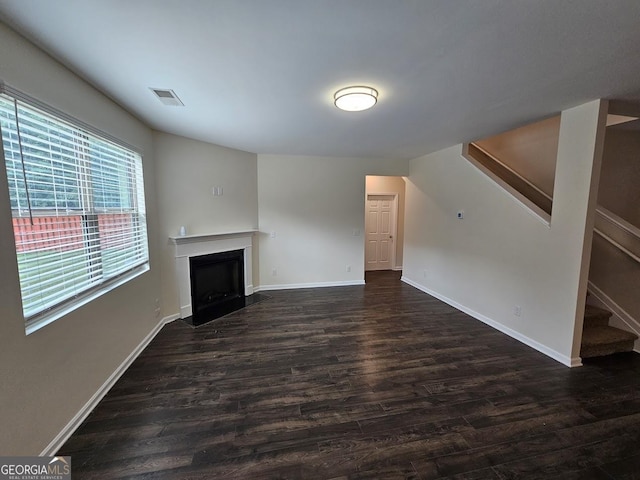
(56, 313)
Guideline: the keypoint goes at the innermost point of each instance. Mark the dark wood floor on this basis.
(371, 382)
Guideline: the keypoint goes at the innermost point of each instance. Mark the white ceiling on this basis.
(259, 75)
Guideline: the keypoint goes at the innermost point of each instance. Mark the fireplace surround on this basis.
(190, 247)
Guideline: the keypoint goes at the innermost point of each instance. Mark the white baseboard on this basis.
(88, 407)
(171, 318)
(292, 286)
(397, 269)
(619, 313)
(565, 360)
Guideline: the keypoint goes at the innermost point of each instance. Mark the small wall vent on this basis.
(167, 97)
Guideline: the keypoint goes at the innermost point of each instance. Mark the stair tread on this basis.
(605, 334)
(596, 316)
(593, 311)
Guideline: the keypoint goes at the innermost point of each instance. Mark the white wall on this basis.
(500, 255)
(376, 184)
(187, 170)
(314, 205)
(48, 376)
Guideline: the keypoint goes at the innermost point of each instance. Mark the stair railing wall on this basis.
(608, 225)
(522, 190)
(618, 232)
(605, 287)
(613, 229)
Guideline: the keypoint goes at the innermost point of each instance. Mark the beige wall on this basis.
(500, 255)
(382, 185)
(530, 151)
(314, 205)
(620, 180)
(187, 170)
(48, 376)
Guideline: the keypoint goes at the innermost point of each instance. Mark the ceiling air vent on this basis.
(168, 97)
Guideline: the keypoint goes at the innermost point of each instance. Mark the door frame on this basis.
(394, 227)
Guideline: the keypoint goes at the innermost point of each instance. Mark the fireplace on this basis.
(198, 246)
(217, 285)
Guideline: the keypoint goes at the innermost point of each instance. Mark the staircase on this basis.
(599, 338)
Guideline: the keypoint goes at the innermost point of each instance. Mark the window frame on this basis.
(89, 217)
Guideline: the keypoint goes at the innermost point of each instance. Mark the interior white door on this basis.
(380, 224)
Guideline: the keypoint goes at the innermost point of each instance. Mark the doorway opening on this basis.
(384, 223)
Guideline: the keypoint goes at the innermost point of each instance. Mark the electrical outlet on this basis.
(348, 268)
(274, 272)
(356, 232)
(460, 214)
(517, 310)
(424, 273)
(273, 235)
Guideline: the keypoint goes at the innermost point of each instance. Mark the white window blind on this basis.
(77, 199)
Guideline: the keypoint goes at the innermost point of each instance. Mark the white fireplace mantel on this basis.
(195, 245)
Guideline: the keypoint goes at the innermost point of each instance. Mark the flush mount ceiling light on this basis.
(355, 99)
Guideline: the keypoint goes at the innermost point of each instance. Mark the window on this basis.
(77, 200)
